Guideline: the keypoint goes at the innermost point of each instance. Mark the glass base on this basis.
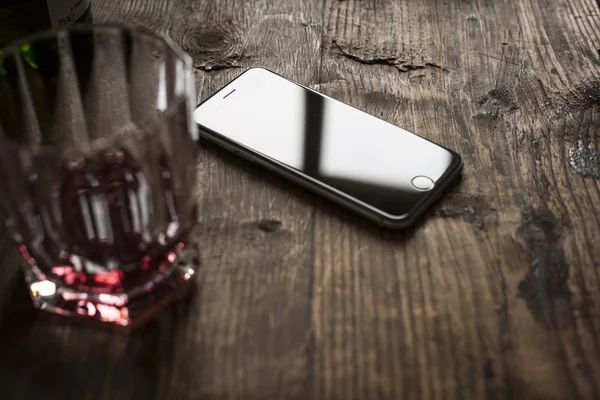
(126, 310)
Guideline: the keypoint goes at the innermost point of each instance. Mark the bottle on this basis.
(22, 17)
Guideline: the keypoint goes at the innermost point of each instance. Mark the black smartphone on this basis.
(358, 161)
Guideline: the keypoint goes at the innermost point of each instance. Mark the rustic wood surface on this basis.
(495, 295)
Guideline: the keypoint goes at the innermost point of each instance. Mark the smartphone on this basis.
(371, 167)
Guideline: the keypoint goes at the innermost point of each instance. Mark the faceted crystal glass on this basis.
(97, 170)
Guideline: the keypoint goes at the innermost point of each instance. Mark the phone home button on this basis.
(422, 183)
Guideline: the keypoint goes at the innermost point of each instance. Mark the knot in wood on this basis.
(215, 46)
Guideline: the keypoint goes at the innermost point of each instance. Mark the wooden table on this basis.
(494, 295)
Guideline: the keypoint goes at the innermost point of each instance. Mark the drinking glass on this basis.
(98, 170)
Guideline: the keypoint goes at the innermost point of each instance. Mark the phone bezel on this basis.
(351, 203)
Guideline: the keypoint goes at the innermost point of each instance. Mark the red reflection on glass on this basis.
(171, 257)
(112, 314)
(23, 250)
(69, 296)
(146, 262)
(61, 270)
(109, 278)
(86, 308)
(75, 278)
(91, 309)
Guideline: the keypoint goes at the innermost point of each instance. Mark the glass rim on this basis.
(136, 31)
(13, 48)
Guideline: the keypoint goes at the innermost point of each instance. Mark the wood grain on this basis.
(494, 295)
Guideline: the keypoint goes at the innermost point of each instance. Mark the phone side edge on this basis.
(330, 193)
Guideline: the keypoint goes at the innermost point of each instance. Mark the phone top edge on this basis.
(251, 69)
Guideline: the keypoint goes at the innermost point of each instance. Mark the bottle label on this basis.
(66, 12)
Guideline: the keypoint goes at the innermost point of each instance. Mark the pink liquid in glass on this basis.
(105, 242)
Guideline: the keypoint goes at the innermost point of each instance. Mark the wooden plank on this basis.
(254, 324)
(247, 331)
(495, 294)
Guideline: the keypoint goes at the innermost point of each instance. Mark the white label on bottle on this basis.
(65, 12)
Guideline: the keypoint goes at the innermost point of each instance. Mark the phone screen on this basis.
(375, 163)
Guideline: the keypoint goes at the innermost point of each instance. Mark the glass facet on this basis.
(97, 170)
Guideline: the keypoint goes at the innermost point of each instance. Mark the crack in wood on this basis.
(355, 53)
